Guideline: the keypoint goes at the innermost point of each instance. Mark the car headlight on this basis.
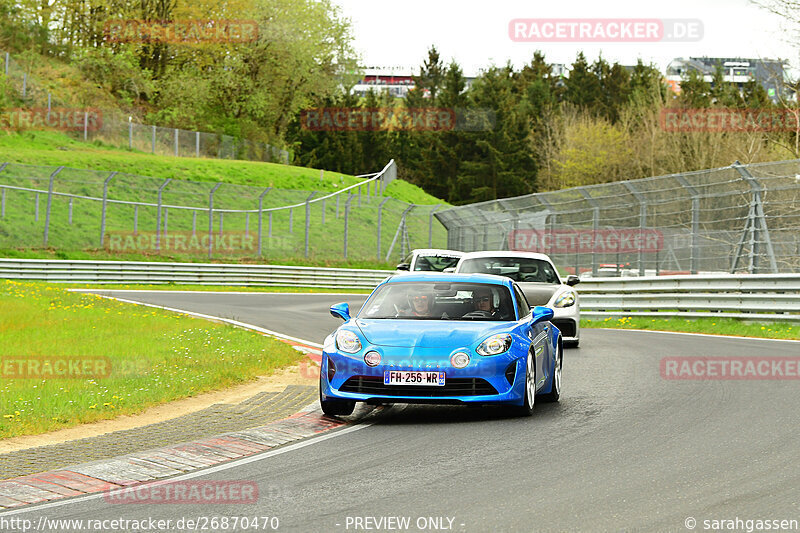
(347, 341)
(495, 344)
(565, 300)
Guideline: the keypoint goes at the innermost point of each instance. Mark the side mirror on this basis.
(341, 310)
(449, 270)
(573, 280)
(541, 313)
(404, 266)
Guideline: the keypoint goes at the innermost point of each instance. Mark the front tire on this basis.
(555, 387)
(529, 398)
(335, 407)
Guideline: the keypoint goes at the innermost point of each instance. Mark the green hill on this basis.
(21, 234)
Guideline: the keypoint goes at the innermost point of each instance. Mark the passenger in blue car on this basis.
(421, 303)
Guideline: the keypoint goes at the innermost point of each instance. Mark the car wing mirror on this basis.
(404, 266)
(573, 280)
(540, 313)
(341, 310)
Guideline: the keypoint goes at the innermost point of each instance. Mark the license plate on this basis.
(410, 377)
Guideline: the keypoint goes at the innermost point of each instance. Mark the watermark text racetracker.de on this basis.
(724, 119)
(730, 368)
(69, 367)
(181, 31)
(604, 30)
(433, 119)
(55, 118)
(181, 242)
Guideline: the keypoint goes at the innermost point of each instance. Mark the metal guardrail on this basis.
(756, 297)
(124, 272)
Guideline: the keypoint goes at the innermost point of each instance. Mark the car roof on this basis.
(436, 251)
(450, 277)
(506, 253)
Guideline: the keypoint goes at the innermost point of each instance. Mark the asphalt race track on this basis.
(624, 449)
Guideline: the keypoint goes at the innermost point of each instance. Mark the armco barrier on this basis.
(757, 297)
(133, 272)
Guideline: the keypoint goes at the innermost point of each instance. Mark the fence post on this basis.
(642, 221)
(337, 206)
(158, 214)
(380, 213)
(308, 219)
(49, 204)
(130, 134)
(694, 259)
(211, 217)
(197, 144)
(247, 223)
(346, 220)
(69, 218)
(7, 60)
(154, 139)
(756, 222)
(430, 225)
(103, 211)
(221, 218)
(595, 224)
(24, 84)
(3, 201)
(85, 126)
(176, 142)
(135, 219)
(260, 217)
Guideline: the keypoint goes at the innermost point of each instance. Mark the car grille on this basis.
(452, 387)
(567, 327)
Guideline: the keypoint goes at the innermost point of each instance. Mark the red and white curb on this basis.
(144, 467)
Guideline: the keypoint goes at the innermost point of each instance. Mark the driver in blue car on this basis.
(421, 303)
(483, 301)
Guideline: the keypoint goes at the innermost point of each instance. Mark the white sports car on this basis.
(539, 280)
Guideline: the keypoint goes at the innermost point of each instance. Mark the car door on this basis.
(538, 334)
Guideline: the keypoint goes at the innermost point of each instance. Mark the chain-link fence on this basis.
(742, 218)
(130, 215)
(112, 128)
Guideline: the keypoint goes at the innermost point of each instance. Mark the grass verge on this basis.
(711, 326)
(53, 328)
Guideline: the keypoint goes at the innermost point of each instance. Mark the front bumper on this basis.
(487, 379)
(568, 320)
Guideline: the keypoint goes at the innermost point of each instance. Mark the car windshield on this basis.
(435, 263)
(439, 301)
(521, 269)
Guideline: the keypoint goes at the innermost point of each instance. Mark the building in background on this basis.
(770, 73)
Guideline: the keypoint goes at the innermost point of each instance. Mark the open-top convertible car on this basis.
(443, 339)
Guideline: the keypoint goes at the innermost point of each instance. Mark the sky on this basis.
(475, 33)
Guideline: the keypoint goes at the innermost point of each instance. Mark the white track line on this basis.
(219, 468)
(700, 334)
(219, 319)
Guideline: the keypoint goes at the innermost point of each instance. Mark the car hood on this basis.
(427, 333)
(539, 293)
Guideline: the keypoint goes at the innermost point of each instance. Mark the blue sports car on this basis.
(442, 339)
